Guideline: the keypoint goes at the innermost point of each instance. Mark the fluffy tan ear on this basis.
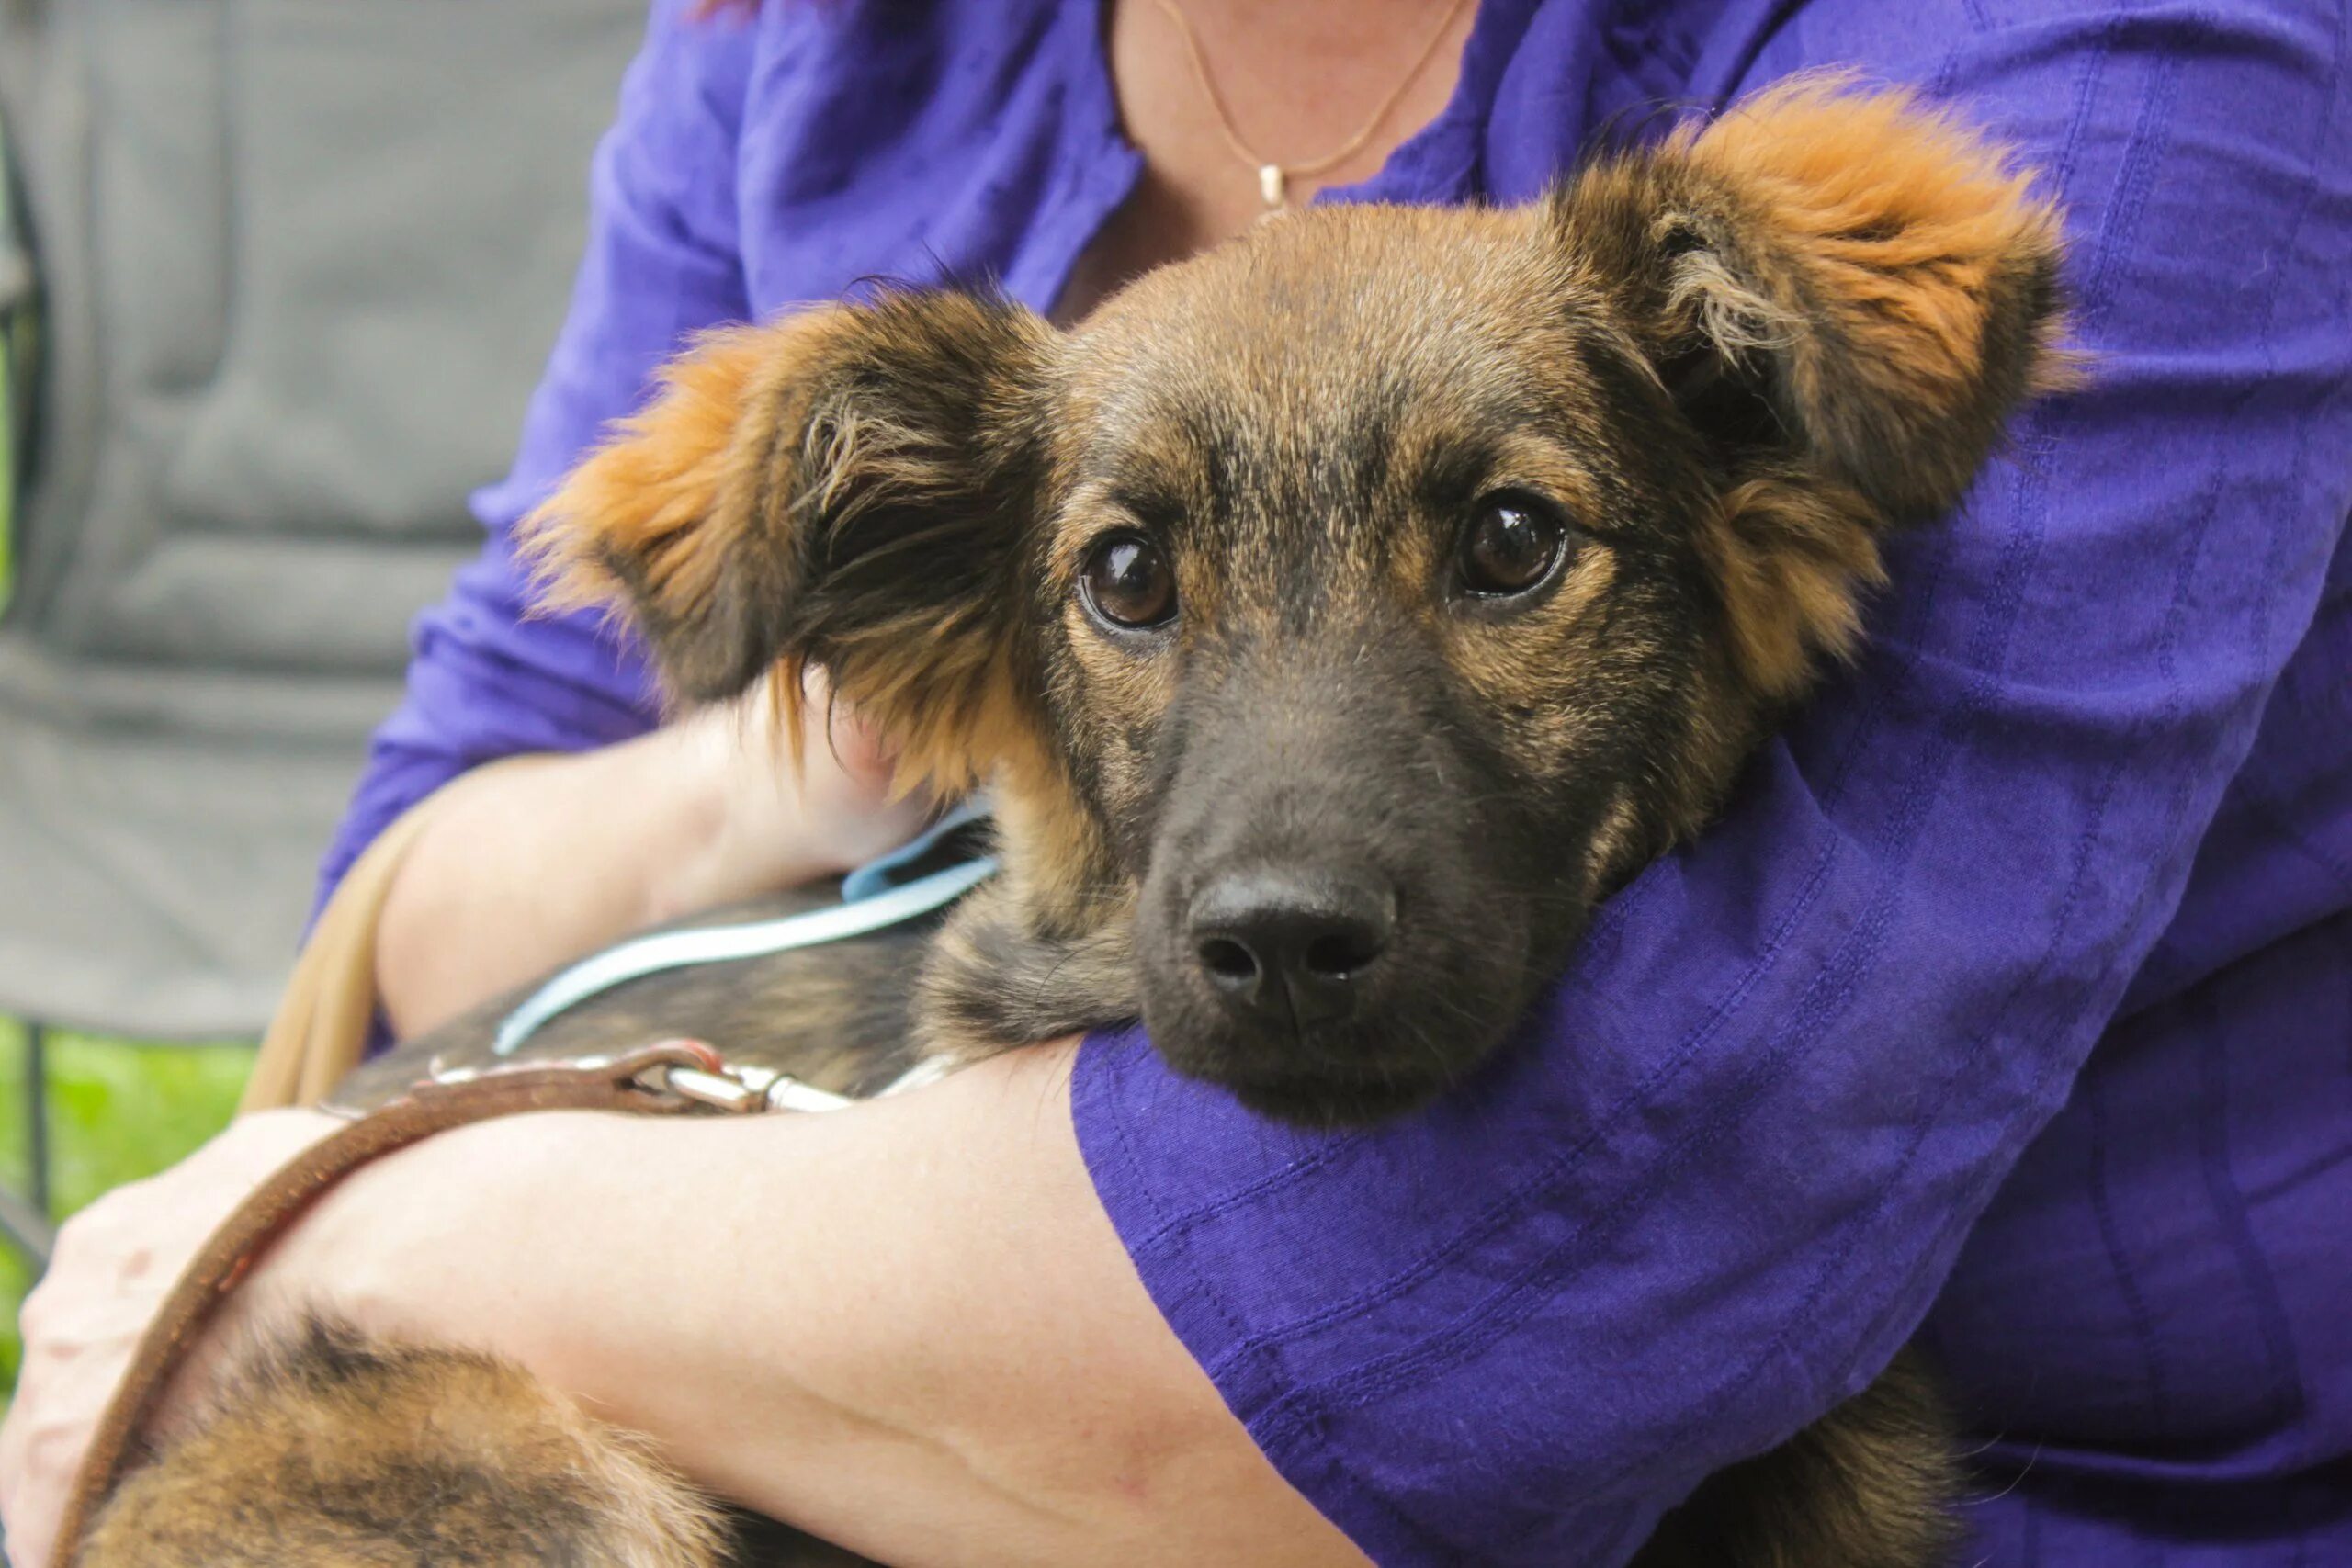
(849, 487)
(665, 519)
(1902, 277)
(1847, 295)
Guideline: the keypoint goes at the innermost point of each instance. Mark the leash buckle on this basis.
(686, 1073)
(735, 1090)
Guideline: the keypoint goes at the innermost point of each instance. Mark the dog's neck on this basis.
(1057, 858)
(1048, 948)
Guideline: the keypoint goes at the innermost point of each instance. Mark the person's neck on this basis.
(1296, 79)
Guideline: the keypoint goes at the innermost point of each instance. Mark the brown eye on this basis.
(1511, 545)
(1125, 581)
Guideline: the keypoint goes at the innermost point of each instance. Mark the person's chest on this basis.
(883, 144)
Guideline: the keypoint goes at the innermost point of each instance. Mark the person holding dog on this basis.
(2006, 1001)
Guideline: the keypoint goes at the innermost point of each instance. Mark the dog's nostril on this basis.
(1341, 953)
(1291, 947)
(1229, 961)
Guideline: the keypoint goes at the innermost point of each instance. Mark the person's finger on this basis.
(80, 1326)
(861, 749)
(41, 1447)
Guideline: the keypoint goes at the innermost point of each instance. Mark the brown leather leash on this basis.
(674, 1077)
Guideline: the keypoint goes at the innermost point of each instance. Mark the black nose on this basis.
(1292, 947)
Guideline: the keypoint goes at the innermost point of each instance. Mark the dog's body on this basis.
(1865, 1487)
(1338, 617)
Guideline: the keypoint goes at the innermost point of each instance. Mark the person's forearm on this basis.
(526, 869)
(908, 1327)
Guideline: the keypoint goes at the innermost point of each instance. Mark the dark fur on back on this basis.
(1707, 378)
(334, 1451)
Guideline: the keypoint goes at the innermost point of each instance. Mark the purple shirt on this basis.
(2012, 997)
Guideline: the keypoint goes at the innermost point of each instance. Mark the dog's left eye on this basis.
(1125, 580)
(1511, 545)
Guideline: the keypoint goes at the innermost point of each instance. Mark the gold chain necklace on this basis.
(1274, 179)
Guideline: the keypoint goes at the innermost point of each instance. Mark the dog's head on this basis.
(1363, 599)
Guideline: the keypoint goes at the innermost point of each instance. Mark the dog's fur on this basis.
(1720, 369)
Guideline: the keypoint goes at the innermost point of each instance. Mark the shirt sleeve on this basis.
(488, 677)
(1717, 1183)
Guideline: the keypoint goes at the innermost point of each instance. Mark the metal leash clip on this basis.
(678, 1070)
(682, 1071)
(739, 1090)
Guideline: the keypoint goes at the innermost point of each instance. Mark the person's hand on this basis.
(114, 1263)
(778, 825)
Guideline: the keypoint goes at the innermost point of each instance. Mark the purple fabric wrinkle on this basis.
(2006, 1006)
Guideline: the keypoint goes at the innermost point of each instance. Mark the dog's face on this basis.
(1369, 609)
(1357, 603)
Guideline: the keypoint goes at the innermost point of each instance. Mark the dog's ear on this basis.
(1848, 295)
(848, 488)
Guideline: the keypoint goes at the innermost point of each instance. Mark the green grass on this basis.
(118, 1111)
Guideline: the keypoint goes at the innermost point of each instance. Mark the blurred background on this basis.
(275, 280)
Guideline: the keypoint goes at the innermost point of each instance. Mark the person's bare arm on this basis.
(527, 869)
(907, 1326)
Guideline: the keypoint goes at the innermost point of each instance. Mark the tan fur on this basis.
(1885, 231)
(1872, 250)
(406, 1456)
(1793, 560)
(1893, 219)
(678, 489)
(753, 436)
(1868, 1487)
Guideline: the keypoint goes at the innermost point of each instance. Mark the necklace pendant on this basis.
(1273, 186)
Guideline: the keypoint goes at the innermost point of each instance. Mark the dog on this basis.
(1335, 618)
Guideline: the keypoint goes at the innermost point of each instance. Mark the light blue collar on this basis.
(873, 900)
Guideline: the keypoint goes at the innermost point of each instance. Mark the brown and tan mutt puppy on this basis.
(1336, 617)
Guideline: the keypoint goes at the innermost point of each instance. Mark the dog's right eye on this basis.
(1511, 546)
(1125, 581)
